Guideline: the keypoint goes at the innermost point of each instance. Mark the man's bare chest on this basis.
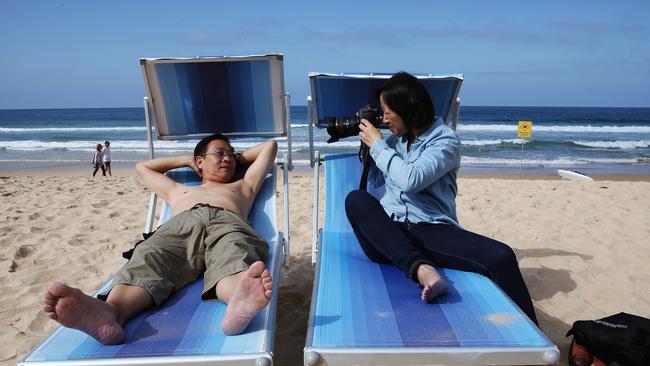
(229, 196)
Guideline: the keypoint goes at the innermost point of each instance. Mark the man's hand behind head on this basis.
(196, 168)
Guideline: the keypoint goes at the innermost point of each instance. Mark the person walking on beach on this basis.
(106, 157)
(97, 160)
(414, 226)
(207, 235)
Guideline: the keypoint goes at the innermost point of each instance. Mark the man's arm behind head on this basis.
(261, 158)
(153, 174)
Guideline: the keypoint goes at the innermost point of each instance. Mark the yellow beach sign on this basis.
(525, 129)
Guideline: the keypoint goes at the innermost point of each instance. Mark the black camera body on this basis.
(346, 127)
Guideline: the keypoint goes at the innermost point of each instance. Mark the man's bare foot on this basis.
(74, 309)
(434, 284)
(252, 294)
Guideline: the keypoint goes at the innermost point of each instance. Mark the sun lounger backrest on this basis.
(195, 97)
(341, 95)
(239, 96)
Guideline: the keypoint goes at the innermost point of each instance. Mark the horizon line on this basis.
(304, 105)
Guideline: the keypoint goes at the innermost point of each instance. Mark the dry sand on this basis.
(583, 248)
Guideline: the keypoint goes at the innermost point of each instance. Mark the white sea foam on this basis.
(614, 144)
(92, 129)
(470, 160)
(544, 128)
(185, 145)
(69, 129)
(296, 162)
(325, 144)
(90, 145)
(494, 142)
(188, 145)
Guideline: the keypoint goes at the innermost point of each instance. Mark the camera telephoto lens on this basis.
(346, 127)
(338, 129)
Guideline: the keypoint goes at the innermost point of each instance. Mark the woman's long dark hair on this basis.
(409, 98)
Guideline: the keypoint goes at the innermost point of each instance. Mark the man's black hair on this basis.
(202, 146)
(408, 97)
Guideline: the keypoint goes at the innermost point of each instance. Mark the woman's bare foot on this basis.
(434, 284)
(252, 294)
(74, 309)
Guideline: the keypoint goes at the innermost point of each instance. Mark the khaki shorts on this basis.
(203, 240)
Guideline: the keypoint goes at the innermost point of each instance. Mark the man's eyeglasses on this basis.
(220, 154)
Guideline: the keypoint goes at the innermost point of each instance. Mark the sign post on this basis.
(524, 131)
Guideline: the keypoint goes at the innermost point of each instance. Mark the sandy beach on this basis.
(583, 247)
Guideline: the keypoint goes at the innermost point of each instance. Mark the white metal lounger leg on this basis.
(285, 184)
(287, 116)
(151, 213)
(314, 226)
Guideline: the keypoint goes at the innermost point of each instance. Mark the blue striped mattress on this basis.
(183, 329)
(360, 307)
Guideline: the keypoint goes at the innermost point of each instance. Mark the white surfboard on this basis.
(574, 175)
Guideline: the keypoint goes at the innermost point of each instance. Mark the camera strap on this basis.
(367, 161)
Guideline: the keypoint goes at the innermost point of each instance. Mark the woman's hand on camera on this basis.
(369, 133)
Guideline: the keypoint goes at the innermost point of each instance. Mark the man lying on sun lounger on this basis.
(208, 235)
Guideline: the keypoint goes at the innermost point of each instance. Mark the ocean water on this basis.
(576, 138)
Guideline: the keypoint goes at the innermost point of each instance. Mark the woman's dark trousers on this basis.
(409, 245)
(97, 166)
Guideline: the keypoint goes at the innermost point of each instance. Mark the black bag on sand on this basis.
(621, 339)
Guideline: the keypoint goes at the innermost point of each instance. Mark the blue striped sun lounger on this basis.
(364, 313)
(240, 96)
(184, 330)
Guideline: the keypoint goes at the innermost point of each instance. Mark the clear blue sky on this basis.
(58, 54)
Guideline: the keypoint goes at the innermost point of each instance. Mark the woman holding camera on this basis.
(415, 226)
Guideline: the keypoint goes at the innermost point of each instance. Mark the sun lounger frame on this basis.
(412, 355)
(261, 358)
(279, 244)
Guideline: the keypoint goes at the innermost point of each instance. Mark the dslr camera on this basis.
(346, 127)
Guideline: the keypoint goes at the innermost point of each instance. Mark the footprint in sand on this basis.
(7, 266)
(9, 335)
(76, 242)
(23, 251)
(34, 216)
(37, 326)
